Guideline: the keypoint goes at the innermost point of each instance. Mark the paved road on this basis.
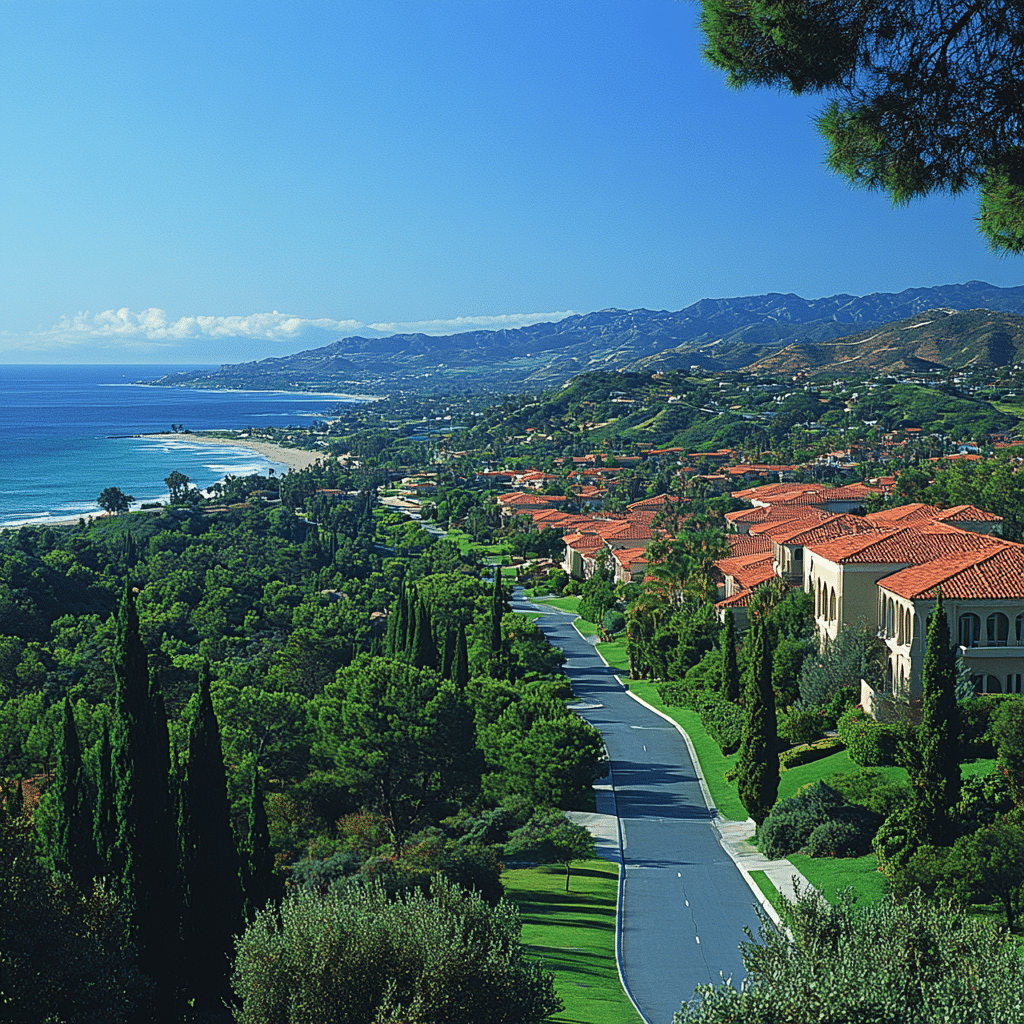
(685, 903)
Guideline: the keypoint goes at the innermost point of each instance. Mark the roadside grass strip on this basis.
(616, 655)
(565, 604)
(573, 934)
(768, 890)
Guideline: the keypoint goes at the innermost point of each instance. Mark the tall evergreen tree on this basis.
(424, 649)
(104, 822)
(144, 861)
(937, 782)
(448, 655)
(730, 670)
(460, 666)
(212, 909)
(497, 611)
(758, 766)
(258, 859)
(68, 842)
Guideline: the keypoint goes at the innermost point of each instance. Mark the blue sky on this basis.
(218, 181)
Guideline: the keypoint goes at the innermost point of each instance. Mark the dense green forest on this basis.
(216, 703)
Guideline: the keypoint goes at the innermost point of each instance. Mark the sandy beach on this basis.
(293, 458)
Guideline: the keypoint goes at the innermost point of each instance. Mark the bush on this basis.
(983, 798)
(872, 789)
(799, 727)
(723, 721)
(977, 716)
(792, 823)
(925, 869)
(359, 957)
(898, 838)
(870, 743)
(838, 839)
(614, 621)
(807, 755)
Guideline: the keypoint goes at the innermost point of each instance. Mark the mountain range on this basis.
(949, 326)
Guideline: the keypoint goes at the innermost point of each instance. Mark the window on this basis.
(1015, 682)
(970, 630)
(997, 627)
(1020, 630)
(989, 684)
(832, 606)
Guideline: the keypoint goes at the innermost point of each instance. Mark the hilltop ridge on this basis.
(714, 334)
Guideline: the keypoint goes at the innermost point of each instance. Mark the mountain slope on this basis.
(713, 333)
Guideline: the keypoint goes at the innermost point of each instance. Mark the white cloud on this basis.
(469, 323)
(153, 330)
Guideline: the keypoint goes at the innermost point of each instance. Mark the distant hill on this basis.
(770, 331)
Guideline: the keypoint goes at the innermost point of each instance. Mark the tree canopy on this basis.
(924, 97)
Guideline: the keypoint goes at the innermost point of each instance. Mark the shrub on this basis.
(799, 727)
(898, 839)
(808, 754)
(925, 869)
(614, 621)
(838, 839)
(357, 956)
(983, 798)
(792, 823)
(872, 789)
(869, 742)
(723, 722)
(977, 717)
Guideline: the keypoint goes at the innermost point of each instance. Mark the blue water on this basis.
(58, 443)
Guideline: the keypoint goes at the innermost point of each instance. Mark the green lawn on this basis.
(832, 874)
(768, 890)
(615, 654)
(565, 604)
(574, 935)
(790, 781)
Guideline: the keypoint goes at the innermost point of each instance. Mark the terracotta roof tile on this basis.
(748, 544)
(994, 574)
(968, 514)
(912, 545)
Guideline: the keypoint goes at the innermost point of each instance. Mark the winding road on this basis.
(684, 902)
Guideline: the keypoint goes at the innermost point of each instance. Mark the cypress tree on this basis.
(258, 860)
(69, 846)
(212, 906)
(144, 862)
(424, 648)
(460, 666)
(937, 786)
(16, 800)
(730, 670)
(409, 624)
(758, 766)
(396, 626)
(104, 822)
(448, 657)
(497, 611)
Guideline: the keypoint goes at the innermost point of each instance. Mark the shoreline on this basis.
(293, 458)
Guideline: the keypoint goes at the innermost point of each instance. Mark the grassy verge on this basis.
(768, 890)
(615, 654)
(574, 935)
(565, 604)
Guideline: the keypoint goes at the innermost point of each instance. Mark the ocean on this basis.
(66, 434)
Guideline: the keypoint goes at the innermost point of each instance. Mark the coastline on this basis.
(293, 458)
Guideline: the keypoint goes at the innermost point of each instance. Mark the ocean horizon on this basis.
(67, 432)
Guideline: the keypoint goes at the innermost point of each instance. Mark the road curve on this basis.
(685, 903)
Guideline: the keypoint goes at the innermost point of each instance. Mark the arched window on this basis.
(1020, 631)
(900, 630)
(969, 634)
(1015, 682)
(990, 685)
(832, 606)
(890, 618)
(997, 627)
(888, 674)
(909, 639)
(903, 679)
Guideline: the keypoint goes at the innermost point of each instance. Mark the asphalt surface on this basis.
(685, 903)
